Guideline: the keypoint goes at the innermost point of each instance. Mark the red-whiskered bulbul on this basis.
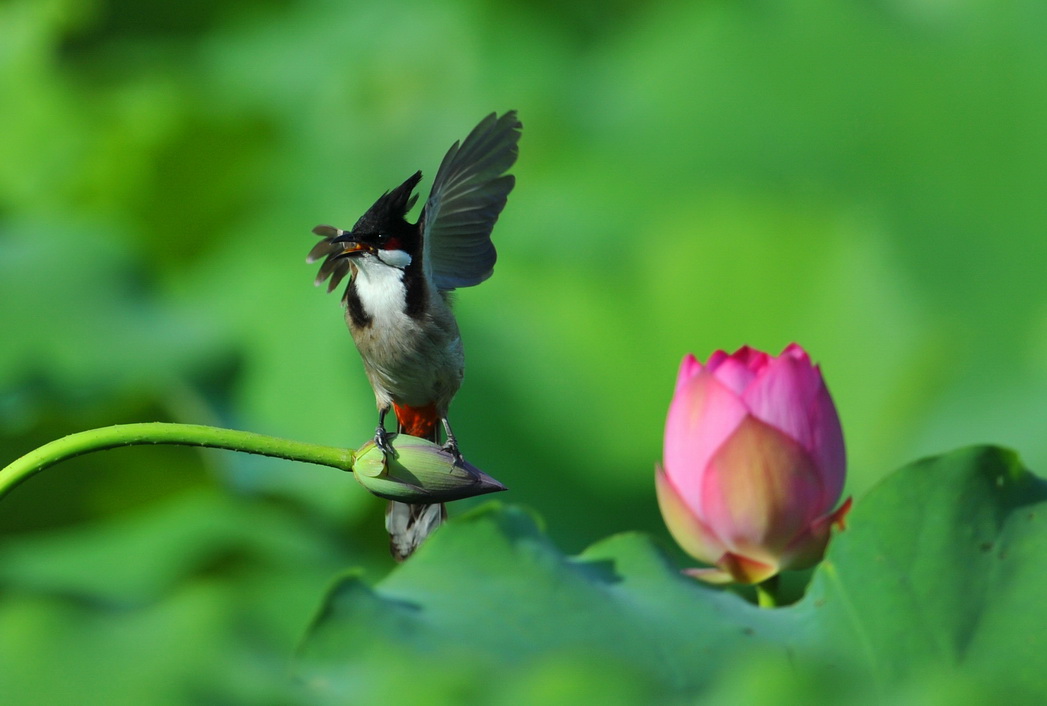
(400, 275)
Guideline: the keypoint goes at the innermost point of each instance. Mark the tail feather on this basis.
(409, 524)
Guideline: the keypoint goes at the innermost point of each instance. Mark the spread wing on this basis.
(469, 192)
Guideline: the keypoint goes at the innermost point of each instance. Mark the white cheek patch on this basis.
(394, 258)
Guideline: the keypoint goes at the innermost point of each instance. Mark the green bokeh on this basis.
(865, 178)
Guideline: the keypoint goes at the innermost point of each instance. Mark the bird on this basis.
(397, 301)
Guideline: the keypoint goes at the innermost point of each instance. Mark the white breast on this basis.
(413, 361)
(382, 292)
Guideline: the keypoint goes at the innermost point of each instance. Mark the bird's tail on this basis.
(409, 524)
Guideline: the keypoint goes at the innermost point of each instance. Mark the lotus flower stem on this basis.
(168, 433)
(767, 593)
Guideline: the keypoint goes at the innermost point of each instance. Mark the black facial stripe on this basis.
(355, 307)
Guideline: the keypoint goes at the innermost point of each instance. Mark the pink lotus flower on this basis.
(754, 464)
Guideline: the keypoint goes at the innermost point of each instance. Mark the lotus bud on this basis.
(753, 464)
(419, 471)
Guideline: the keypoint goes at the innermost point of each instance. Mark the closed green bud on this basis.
(419, 471)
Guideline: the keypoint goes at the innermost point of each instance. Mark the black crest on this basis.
(391, 207)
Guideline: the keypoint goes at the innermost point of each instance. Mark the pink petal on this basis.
(791, 395)
(689, 367)
(687, 529)
(745, 570)
(796, 352)
(717, 577)
(830, 454)
(783, 396)
(751, 358)
(808, 548)
(717, 359)
(760, 490)
(735, 374)
(703, 414)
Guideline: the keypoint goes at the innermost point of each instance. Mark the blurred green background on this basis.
(865, 178)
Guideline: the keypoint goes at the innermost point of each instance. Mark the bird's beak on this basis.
(350, 246)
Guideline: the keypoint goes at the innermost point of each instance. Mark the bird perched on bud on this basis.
(396, 303)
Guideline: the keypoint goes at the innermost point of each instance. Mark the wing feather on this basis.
(469, 192)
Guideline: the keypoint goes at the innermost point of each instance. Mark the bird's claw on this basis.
(381, 440)
(451, 447)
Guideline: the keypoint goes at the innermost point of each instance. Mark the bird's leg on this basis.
(451, 445)
(381, 436)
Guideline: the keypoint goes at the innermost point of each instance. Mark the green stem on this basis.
(767, 593)
(165, 433)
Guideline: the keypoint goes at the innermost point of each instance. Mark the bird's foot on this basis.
(451, 447)
(381, 440)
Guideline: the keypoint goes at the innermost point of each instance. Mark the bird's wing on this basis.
(468, 193)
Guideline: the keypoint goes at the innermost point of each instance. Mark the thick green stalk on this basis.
(767, 593)
(165, 433)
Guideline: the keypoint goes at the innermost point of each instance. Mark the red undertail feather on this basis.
(418, 421)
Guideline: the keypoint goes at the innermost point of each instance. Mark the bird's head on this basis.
(381, 237)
